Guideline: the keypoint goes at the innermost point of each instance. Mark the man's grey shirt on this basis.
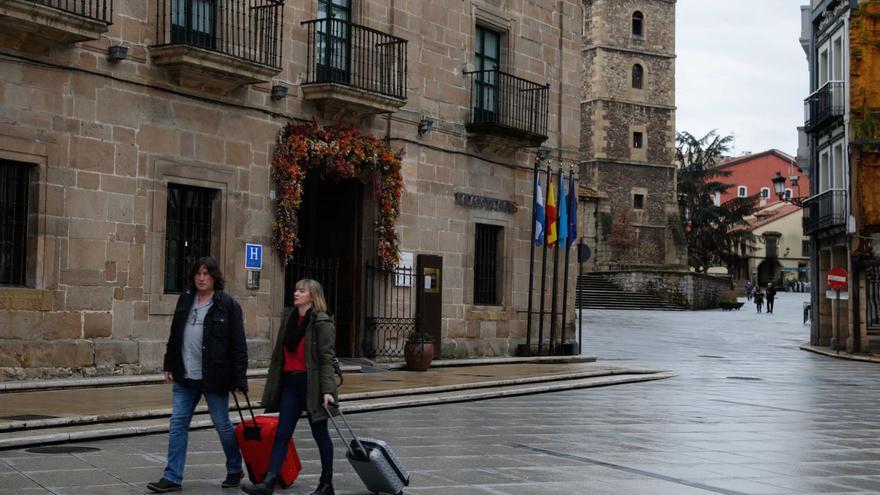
(193, 333)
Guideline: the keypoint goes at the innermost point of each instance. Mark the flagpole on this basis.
(544, 270)
(532, 255)
(565, 277)
(553, 297)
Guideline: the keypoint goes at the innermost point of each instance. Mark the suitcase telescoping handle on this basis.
(250, 432)
(350, 430)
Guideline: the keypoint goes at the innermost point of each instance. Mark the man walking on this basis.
(749, 289)
(206, 355)
(771, 297)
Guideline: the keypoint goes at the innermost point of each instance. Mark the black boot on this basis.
(266, 487)
(325, 487)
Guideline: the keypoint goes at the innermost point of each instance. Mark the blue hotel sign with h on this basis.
(253, 256)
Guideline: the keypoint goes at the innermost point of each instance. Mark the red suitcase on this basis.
(255, 438)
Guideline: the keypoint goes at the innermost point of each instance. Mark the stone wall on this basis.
(694, 290)
(105, 140)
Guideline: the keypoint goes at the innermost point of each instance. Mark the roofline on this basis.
(746, 158)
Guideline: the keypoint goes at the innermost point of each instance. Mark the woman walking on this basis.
(301, 379)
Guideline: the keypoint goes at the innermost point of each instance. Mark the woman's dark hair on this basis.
(213, 268)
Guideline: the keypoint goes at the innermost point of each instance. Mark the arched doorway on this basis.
(769, 271)
(330, 252)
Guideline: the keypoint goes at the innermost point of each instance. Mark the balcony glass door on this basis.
(487, 61)
(193, 22)
(334, 41)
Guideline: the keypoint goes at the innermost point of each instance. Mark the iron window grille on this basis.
(188, 232)
(97, 10)
(487, 265)
(249, 30)
(14, 188)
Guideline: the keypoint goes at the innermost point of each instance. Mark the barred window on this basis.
(14, 189)
(487, 265)
(188, 232)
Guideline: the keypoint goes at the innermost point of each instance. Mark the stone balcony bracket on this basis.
(206, 70)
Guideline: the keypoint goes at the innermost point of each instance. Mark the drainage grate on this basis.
(62, 449)
(27, 417)
(752, 378)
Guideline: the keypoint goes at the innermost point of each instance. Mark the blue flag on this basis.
(539, 216)
(563, 213)
(572, 213)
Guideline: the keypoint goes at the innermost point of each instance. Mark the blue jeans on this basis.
(184, 400)
(293, 403)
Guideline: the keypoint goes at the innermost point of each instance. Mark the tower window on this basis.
(742, 192)
(638, 140)
(638, 24)
(638, 201)
(638, 75)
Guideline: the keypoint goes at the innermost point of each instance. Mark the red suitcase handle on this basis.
(250, 432)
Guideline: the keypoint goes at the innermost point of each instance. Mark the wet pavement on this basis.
(747, 413)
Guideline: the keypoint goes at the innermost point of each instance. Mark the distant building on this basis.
(779, 254)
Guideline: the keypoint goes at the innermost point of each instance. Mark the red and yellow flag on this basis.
(551, 215)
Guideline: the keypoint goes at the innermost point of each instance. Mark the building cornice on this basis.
(629, 102)
(647, 53)
(627, 162)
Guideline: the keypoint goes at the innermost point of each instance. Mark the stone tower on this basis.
(628, 132)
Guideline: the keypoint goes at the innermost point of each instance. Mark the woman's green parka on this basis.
(320, 342)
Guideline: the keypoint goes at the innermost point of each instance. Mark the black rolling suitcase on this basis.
(374, 461)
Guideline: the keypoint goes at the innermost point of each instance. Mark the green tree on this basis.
(713, 232)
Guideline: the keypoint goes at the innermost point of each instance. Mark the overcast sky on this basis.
(741, 70)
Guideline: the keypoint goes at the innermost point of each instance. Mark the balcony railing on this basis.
(826, 102)
(245, 29)
(825, 210)
(365, 59)
(96, 10)
(501, 102)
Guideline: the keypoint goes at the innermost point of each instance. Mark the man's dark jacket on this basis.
(224, 349)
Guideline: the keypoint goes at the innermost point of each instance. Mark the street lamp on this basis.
(779, 187)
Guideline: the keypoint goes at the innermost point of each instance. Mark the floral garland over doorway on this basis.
(334, 153)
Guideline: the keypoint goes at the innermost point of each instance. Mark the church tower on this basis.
(628, 132)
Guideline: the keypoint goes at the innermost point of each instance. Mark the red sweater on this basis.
(296, 361)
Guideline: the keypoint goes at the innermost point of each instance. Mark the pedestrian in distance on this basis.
(749, 288)
(759, 299)
(206, 356)
(301, 378)
(771, 297)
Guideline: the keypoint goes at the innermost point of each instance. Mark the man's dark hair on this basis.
(213, 270)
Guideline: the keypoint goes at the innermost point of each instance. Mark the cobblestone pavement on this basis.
(748, 413)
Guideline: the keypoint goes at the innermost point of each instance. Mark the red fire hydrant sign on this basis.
(837, 278)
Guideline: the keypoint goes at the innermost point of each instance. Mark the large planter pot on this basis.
(418, 356)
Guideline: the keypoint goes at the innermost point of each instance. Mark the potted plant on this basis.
(418, 351)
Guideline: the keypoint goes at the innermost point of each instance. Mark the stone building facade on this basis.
(130, 166)
(628, 130)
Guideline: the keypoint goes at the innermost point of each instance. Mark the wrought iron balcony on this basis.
(222, 43)
(508, 106)
(50, 22)
(355, 66)
(825, 210)
(827, 102)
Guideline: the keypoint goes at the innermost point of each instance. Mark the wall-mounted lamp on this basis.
(425, 125)
(117, 53)
(779, 187)
(279, 91)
